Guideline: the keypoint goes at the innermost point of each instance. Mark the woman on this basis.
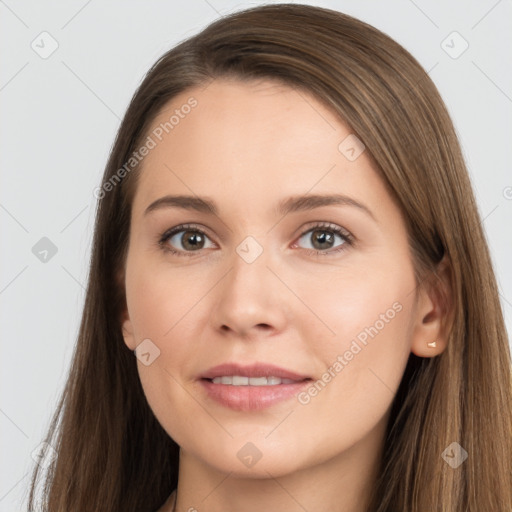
(224, 365)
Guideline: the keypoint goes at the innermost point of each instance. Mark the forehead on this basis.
(230, 115)
(246, 141)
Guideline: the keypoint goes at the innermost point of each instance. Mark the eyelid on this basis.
(322, 224)
(349, 238)
(164, 237)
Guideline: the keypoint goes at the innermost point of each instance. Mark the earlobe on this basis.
(126, 324)
(127, 329)
(433, 314)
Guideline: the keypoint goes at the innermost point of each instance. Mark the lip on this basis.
(251, 398)
(252, 370)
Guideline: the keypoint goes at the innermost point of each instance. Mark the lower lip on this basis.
(251, 398)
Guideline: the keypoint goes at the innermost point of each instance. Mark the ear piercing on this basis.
(432, 344)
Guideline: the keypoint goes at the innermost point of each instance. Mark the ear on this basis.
(126, 323)
(434, 312)
(127, 328)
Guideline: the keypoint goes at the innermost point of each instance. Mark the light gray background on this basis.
(59, 118)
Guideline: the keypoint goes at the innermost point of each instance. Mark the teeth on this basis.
(238, 380)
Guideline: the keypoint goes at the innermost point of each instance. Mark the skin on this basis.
(247, 146)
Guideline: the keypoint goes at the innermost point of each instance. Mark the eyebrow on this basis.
(289, 205)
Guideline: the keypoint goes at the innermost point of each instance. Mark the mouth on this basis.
(241, 380)
(250, 388)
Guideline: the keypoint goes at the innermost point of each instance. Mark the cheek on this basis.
(356, 302)
(164, 305)
(160, 307)
(360, 368)
(159, 299)
(362, 329)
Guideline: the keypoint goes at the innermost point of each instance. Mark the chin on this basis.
(253, 456)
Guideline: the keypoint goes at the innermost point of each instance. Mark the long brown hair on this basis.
(113, 455)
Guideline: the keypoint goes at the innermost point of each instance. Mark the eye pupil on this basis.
(192, 237)
(322, 238)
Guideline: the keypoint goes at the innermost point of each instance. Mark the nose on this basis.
(251, 301)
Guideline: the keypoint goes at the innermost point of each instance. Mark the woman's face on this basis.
(277, 282)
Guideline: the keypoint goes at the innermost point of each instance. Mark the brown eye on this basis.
(192, 240)
(182, 239)
(322, 239)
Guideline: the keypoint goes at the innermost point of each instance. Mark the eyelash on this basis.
(348, 239)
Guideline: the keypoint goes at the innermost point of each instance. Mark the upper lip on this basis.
(252, 370)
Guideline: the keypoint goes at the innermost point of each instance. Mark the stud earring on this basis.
(432, 344)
